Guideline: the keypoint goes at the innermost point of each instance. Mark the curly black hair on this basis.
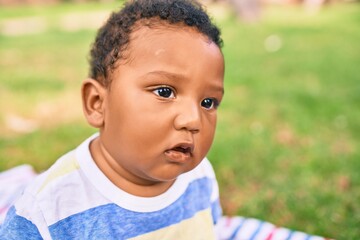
(113, 38)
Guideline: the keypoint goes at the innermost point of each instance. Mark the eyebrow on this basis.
(168, 75)
(177, 76)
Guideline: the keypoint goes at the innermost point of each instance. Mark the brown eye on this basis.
(209, 103)
(164, 92)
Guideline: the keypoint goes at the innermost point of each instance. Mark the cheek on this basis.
(208, 134)
(147, 124)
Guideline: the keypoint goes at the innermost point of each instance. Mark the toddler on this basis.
(156, 81)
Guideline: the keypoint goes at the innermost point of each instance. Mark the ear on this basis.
(93, 100)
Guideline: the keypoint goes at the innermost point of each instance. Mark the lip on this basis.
(180, 153)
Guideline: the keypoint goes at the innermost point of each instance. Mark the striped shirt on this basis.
(75, 200)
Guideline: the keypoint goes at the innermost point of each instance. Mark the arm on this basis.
(25, 220)
(18, 227)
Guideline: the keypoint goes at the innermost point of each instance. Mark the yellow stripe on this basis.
(66, 166)
(199, 227)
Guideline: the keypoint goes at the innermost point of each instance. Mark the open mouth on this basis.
(186, 150)
(180, 153)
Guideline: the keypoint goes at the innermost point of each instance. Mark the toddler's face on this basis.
(160, 111)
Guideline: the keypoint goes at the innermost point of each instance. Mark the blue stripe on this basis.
(308, 237)
(233, 236)
(107, 221)
(17, 227)
(257, 231)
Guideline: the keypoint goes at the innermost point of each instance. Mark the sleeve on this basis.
(25, 220)
(18, 227)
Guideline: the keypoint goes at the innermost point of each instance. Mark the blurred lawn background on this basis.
(287, 149)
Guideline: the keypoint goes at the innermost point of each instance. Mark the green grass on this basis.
(288, 137)
(51, 11)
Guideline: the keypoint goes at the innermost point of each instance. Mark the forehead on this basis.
(178, 51)
(149, 34)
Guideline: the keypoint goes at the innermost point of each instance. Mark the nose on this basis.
(188, 117)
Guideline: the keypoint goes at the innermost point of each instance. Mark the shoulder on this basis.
(44, 187)
(64, 166)
(57, 193)
(65, 172)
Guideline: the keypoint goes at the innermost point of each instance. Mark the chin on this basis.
(168, 175)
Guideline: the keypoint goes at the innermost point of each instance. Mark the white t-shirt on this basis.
(75, 200)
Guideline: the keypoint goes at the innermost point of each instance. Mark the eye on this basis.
(164, 92)
(209, 103)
